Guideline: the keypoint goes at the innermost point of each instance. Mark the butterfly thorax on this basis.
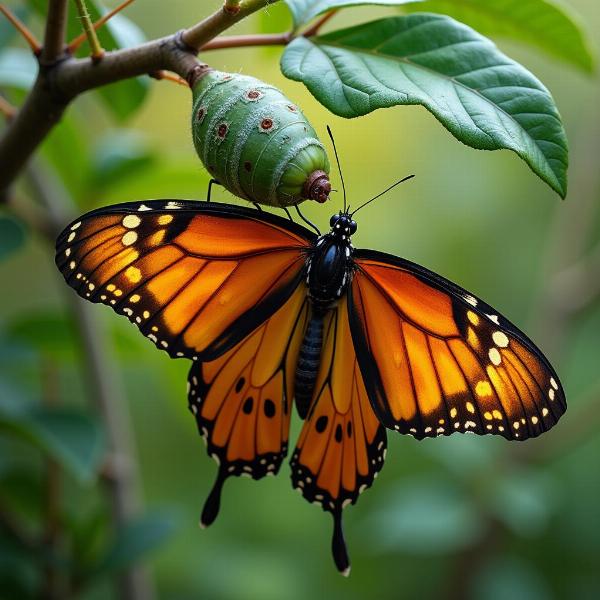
(330, 264)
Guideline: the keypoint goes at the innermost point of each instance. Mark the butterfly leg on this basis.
(210, 184)
(309, 223)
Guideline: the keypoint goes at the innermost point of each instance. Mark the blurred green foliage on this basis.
(461, 517)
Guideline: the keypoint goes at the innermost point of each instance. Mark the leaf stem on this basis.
(89, 30)
(76, 42)
(29, 37)
(316, 26)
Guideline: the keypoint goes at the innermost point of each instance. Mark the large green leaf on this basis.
(547, 24)
(304, 11)
(68, 435)
(485, 99)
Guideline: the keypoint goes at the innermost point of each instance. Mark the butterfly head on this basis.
(342, 225)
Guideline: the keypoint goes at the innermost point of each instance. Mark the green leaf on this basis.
(134, 541)
(68, 435)
(304, 11)
(485, 99)
(550, 26)
(12, 236)
(18, 68)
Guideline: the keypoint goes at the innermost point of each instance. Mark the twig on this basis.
(7, 109)
(316, 26)
(89, 31)
(60, 82)
(33, 42)
(54, 37)
(239, 41)
(200, 34)
(76, 42)
(169, 77)
(52, 582)
(106, 394)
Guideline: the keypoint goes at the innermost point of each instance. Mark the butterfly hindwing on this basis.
(437, 360)
(342, 445)
(242, 401)
(195, 277)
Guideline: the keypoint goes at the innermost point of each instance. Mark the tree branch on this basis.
(239, 41)
(106, 393)
(59, 82)
(56, 25)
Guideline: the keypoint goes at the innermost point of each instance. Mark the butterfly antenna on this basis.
(337, 160)
(382, 193)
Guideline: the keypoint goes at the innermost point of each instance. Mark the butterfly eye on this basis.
(353, 227)
(334, 219)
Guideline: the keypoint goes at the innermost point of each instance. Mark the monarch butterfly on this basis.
(270, 312)
(256, 142)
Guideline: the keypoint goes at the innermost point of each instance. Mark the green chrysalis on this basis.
(256, 142)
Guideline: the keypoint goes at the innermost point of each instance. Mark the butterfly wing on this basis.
(342, 445)
(437, 360)
(195, 277)
(242, 400)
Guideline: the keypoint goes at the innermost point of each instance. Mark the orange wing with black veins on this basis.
(195, 277)
(437, 360)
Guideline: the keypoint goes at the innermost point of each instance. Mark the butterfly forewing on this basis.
(437, 360)
(195, 277)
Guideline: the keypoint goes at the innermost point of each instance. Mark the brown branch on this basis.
(59, 82)
(76, 42)
(33, 42)
(54, 37)
(316, 26)
(240, 41)
(106, 393)
(53, 584)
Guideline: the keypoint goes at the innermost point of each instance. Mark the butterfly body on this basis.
(270, 313)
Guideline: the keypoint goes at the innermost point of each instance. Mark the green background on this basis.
(459, 517)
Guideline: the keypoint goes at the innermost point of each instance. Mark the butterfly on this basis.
(273, 315)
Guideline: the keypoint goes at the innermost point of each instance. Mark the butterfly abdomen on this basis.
(256, 142)
(307, 367)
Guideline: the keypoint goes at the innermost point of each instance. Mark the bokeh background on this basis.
(458, 517)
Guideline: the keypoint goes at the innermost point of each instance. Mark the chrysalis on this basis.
(257, 143)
